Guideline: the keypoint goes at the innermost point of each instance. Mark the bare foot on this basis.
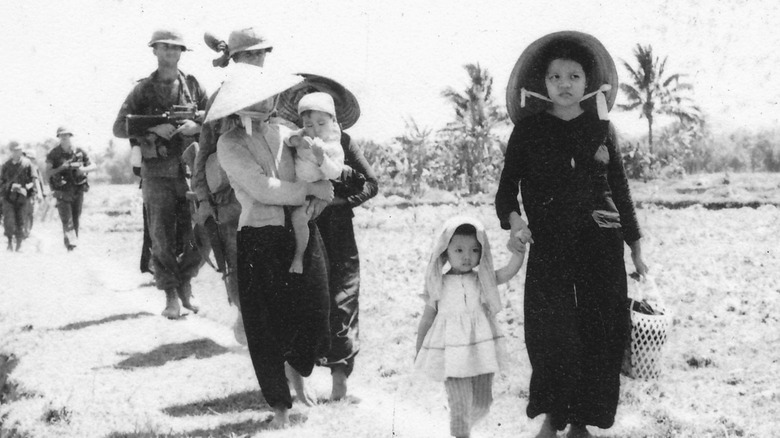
(297, 266)
(281, 418)
(547, 430)
(339, 390)
(298, 385)
(238, 330)
(185, 295)
(172, 309)
(578, 431)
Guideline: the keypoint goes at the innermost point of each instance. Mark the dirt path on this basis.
(93, 358)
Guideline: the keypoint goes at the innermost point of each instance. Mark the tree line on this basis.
(466, 155)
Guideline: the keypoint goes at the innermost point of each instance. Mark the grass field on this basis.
(84, 354)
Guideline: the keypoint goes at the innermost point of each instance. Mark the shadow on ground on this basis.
(84, 324)
(199, 348)
(241, 401)
(244, 428)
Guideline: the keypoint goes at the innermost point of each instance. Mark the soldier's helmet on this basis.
(246, 40)
(168, 36)
(64, 130)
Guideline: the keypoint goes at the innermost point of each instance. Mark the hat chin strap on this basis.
(601, 99)
(247, 117)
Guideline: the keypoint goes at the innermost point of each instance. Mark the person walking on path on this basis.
(285, 315)
(563, 155)
(67, 167)
(18, 189)
(356, 185)
(40, 187)
(459, 341)
(216, 198)
(164, 190)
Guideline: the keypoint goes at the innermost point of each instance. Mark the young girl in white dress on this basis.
(458, 340)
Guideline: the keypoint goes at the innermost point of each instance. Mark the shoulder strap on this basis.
(184, 88)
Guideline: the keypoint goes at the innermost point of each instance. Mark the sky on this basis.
(73, 62)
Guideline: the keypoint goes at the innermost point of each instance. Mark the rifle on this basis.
(138, 125)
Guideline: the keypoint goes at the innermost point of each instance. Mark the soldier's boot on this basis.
(18, 243)
(172, 309)
(10, 244)
(185, 295)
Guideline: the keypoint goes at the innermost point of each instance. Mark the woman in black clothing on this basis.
(357, 184)
(564, 155)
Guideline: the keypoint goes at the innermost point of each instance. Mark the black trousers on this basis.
(576, 324)
(335, 224)
(285, 315)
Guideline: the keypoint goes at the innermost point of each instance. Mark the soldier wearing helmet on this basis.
(162, 170)
(17, 189)
(67, 167)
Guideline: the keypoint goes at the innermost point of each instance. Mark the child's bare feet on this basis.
(547, 430)
(297, 265)
(185, 295)
(281, 418)
(339, 390)
(578, 431)
(172, 308)
(301, 393)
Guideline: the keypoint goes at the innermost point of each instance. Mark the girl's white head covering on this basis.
(485, 270)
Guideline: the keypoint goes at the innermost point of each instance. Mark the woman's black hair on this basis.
(563, 49)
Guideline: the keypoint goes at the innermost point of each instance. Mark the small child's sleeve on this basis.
(333, 160)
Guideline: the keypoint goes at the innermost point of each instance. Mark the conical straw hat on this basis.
(347, 107)
(247, 85)
(528, 70)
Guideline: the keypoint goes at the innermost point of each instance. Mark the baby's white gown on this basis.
(463, 341)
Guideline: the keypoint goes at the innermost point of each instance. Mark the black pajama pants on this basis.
(576, 324)
(338, 235)
(285, 315)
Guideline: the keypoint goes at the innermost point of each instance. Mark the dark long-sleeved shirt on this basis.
(354, 158)
(564, 177)
(20, 172)
(153, 97)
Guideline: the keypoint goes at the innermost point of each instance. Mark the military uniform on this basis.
(164, 179)
(17, 182)
(68, 188)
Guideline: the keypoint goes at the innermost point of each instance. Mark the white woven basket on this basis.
(648, 336)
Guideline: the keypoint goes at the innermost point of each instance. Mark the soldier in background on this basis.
(218, 202)
(40, 187)
(17, 189)
(162, 171)
(67, 167)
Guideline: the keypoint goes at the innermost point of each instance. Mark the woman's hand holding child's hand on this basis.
(518, 239)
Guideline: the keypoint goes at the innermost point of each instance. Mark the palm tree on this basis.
(656, 93)
(416, 144)
(476, 115)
